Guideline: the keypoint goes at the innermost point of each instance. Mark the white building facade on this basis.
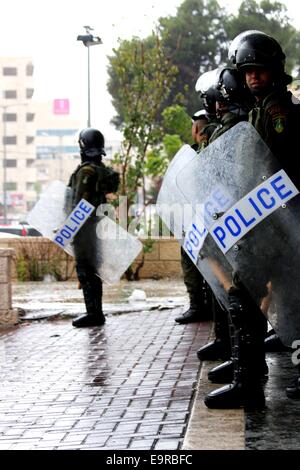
(38, 140)
(17, 145)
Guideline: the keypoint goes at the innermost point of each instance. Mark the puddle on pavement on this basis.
(44, 300)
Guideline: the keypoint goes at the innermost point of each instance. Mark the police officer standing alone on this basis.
(91, 180)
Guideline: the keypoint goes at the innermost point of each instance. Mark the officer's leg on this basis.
(273, 343)
(220, 348)
(224, 373)
(293, 391)
(92, 293)
(248, 356)
(197, 290)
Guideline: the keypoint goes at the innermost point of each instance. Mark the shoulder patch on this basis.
(278, 116)
(279, 124)
(87, 172)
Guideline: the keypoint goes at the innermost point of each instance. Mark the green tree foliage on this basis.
(176, 125)
(197, 37)
(271, 18)
(194, 39)
(141, 77)
(177, 121)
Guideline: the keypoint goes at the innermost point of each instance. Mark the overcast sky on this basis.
(46, 30)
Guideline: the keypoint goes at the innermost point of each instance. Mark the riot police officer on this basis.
(203, 125)
(261, 61)
(91, 180)
(275, 115)
(222, 89)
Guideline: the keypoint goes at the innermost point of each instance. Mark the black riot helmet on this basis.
(206, 86)
(255, 48)
(232, 88)
(224, 84)
(91, 143)
(230, 85)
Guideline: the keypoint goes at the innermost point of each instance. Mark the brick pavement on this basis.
(128, 385)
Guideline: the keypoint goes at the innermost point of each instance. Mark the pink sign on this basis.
(61, 106)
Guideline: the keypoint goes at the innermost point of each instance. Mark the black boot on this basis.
(92, 293)
(192, 315)
(197, 289)
(246, 389)
(198, 311)
(220, 348)
(224, 373)
(88, 320)
(293, 391)
(274, 344)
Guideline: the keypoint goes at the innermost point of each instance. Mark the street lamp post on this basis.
(89, 40)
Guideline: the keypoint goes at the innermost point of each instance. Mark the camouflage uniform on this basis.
(91, 181)
(198, 290)
(254, 49)
(276, 118)
(220, 348)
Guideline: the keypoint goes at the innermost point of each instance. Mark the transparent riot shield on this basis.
(52, 209)
(259, 233)
(108, 247)
(170, 201)
(186, 218)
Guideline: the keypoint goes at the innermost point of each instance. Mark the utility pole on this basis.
(89, 40)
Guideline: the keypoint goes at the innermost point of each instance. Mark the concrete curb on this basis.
(213, 429)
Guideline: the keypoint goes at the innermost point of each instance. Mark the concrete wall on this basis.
(8, 316)
(163, 261)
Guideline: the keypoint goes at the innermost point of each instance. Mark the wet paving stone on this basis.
(278, 426)
(127, 385)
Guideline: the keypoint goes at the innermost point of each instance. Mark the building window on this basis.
(9, 71)
(30, 162)
(29, 117)
(9, 140)
(42, 171)
(29, 92)
(29, 70)
(29, 139)
(10, 94)
(11, 186)
(11, 163)
(9, 117)
(30, 186)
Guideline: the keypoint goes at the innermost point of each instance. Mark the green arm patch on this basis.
(278, 116)
(279, 124)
